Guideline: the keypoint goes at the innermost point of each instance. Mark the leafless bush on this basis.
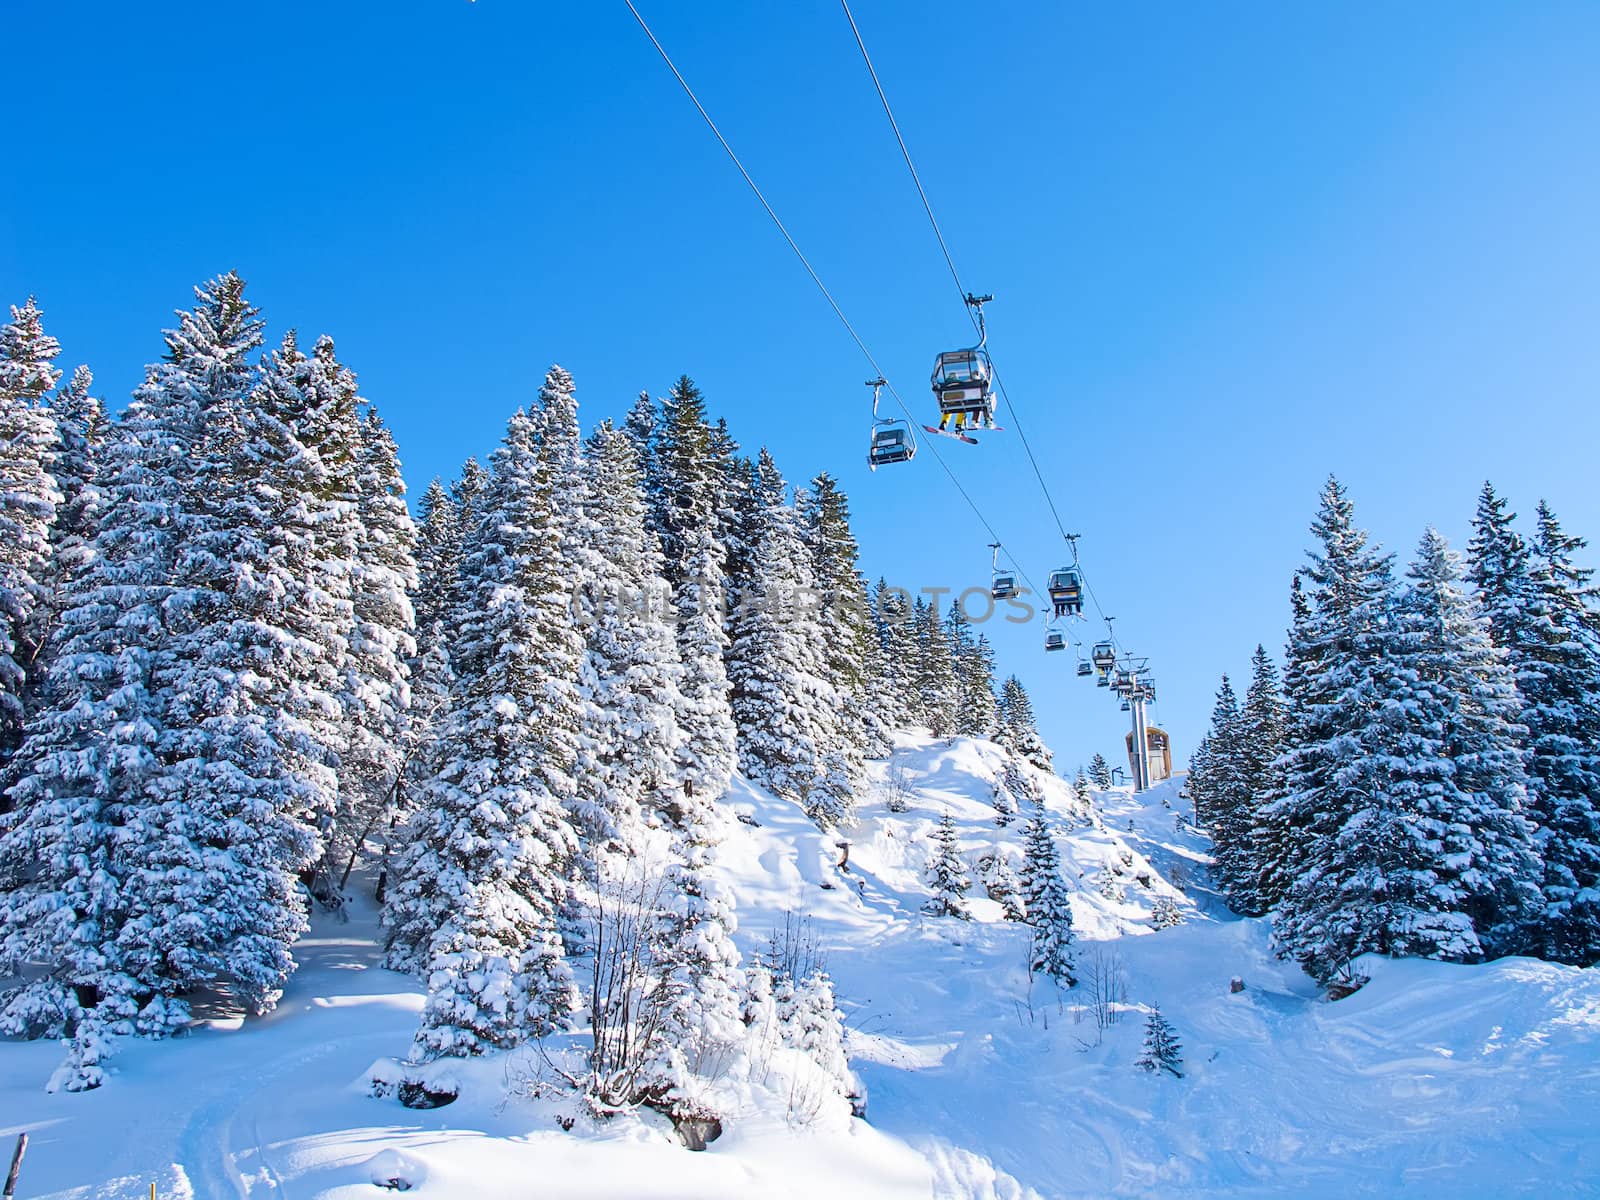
(793, 952)
(631, 995)
(897, 790)
(1105, 984)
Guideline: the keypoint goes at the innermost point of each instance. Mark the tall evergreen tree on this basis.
(1535, 601)
(1100, 771)
(934, 682)
(81, 427)
(487, 858)
(1017, 731)
(947, 873)
(245, 647)
(784, 707)
(973, 659)
(628, 756)
(1276, 838)
(440, 544)
(693, 563)
(1045, 897)
(28, 500)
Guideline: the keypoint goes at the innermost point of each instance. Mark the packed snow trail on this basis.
(1433, 1080)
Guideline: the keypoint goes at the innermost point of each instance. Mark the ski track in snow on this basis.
(1433, 1080)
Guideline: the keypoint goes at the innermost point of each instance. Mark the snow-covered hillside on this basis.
(1437, 1080)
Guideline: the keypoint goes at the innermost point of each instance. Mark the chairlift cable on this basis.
(955, 275)
(815, 278)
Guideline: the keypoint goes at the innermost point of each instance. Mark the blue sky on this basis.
(1234, 247)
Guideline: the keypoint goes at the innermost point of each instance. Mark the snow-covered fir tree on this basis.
(377, 690)
(484, 872)
(1262, 726)
(973, 660)
(784, 708)
(1555, 652)
(629, 678)
(1100, 771)
(440, 544)
(934, 690)
(223, 829)
(81, 427)
(947, 873)
(156, 846)
(28, 500)
(850, 639)
(1017, 731)
(693, 562)
(1220, 789)
(892, 615)
(1046, 901)
(1000, 883)
(1162, 1050)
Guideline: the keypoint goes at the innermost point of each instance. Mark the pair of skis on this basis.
(961, 437)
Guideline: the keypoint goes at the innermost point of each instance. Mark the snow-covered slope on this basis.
(1435, 1080)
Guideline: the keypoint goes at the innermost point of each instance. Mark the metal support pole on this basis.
(1141, 745)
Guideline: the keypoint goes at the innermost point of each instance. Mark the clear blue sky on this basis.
(1234, 247)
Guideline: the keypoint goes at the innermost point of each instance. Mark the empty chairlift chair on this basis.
(1005, 586)
(1066, 592)
(1085, 667)
(891, 443)
(1054, 639)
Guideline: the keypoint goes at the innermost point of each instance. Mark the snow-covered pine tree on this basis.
(1556, 656)
(81, 427)
(28, 499)
(784, 707)
(1262, 727)
(947, 873)
(1464, 696)
(252, 646)
(1100, 771)
(935, 692)
(628, 753)
(440, 544)
(892, 616)
(484, 870)
(693, 562)
(1017, 730)
(973, 659)
(852, 656)
(1538, 616)
(1223, 802)
(1162, 1050)
(141, 877)
(1276, 839)
(93, 758)
(1362, 862)
(382, 642)
(1000, 882)
(1049, 908)
(816, 1028)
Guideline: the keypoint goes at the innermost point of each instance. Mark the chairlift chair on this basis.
(963, 380)
(1054, 639)
(1085, 667)
(892, 442)
(1104, 657)
(1005, 586)
(1066, 591)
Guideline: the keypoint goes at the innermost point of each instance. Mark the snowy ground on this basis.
(1433, 1080)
